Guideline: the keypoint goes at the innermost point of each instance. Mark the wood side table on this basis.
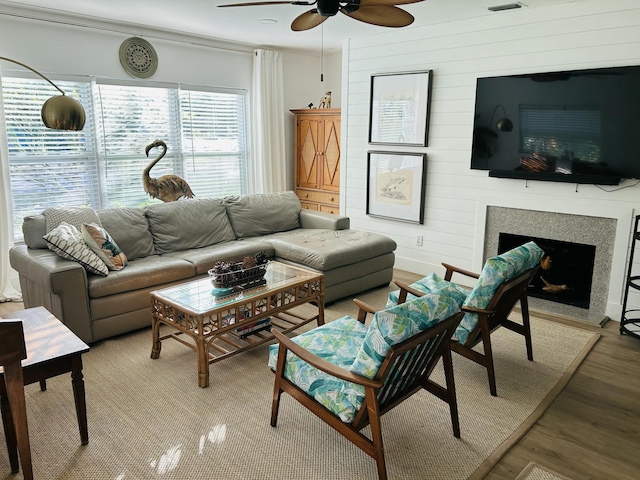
(52, 349)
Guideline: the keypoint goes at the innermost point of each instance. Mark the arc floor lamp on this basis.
(60, 112)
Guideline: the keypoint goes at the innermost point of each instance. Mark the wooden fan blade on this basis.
(254, 4)
(307, 21)
(369, 3)
(383, 16)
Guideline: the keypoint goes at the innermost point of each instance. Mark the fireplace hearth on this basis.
(566, 271)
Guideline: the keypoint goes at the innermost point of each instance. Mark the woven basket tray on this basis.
(237, 277)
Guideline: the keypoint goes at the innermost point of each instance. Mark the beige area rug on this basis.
(149, 419)
(534, 471)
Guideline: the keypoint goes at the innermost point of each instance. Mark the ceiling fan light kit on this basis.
(383, 13)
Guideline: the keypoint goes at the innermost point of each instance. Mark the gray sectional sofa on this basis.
(175, 242)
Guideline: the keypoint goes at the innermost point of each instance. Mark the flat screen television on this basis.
(580, 126)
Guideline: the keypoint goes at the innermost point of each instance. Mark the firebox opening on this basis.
(566, 271)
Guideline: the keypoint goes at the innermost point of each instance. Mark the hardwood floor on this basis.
(592, 430)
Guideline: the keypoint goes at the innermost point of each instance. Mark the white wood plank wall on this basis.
(582, 34)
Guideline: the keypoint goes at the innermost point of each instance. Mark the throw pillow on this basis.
(66, 241)
(101, 243)
(54, 216)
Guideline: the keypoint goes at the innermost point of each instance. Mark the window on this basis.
(101, 166)
(562, 132)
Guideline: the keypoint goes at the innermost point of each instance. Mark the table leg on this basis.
(321, 310)
(203, 363)
(15, 392)
(156, 344)
(77, 382)
(9, 434)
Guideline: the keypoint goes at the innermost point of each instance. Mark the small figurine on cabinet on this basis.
(325, 101)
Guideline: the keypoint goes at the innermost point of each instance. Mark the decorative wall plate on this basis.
(138, 57)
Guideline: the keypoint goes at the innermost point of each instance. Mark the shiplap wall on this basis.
(582, 34)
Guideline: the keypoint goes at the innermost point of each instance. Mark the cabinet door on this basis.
(330, 179)
(307, 156)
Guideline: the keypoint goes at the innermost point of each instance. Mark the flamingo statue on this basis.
(167, 188)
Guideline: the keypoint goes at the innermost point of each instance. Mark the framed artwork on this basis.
(395, 185)
(399, 108)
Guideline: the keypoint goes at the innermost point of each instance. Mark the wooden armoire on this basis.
(317, 158)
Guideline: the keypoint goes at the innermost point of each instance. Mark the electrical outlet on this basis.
(418, 240)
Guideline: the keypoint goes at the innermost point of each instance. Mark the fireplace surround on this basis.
(608, 229)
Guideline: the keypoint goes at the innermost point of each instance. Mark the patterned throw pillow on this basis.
(54, 216)
(67, 242)
(101, 243)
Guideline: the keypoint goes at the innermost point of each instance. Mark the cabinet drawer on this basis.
(309, 206)
(330, 209)
(319, 197)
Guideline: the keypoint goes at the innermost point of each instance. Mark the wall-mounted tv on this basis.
(580, 126)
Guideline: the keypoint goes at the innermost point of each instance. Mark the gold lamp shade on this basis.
(63, 113)
(59, 112)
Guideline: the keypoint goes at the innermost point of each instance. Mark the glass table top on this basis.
(200, 296)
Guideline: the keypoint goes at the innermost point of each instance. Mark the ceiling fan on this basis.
(383, 13)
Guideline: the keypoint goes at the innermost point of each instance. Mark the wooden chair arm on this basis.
(451, 270)
(477, 310)
(363, 309)
(404, 289)
(320, 363)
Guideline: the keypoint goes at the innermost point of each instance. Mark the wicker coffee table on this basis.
(218, 323)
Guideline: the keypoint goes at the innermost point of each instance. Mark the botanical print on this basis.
(395, 187)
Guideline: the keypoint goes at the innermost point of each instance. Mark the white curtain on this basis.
(269, 172)
(7, 274)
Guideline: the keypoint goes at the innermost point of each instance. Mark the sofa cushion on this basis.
(129, 228)
(263, 213)
(203, 259)
(188, 224)
(329, 249)
(33, 229)
(54, 216)
(101, 243)
(67, 242)
(336, 342)
(142, 273)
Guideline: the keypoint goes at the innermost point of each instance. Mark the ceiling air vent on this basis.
(506, 6)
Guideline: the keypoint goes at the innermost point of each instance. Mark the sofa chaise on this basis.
(170, 243)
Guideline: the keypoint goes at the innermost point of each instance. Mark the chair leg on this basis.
(488, 355)
(526, 323)
(376, 432)
(451, 391)
(275, 406)
(277, 391)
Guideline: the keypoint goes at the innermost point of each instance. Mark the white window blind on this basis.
(101, 166)
(129, 119)
(48, 167)
(214, 140)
